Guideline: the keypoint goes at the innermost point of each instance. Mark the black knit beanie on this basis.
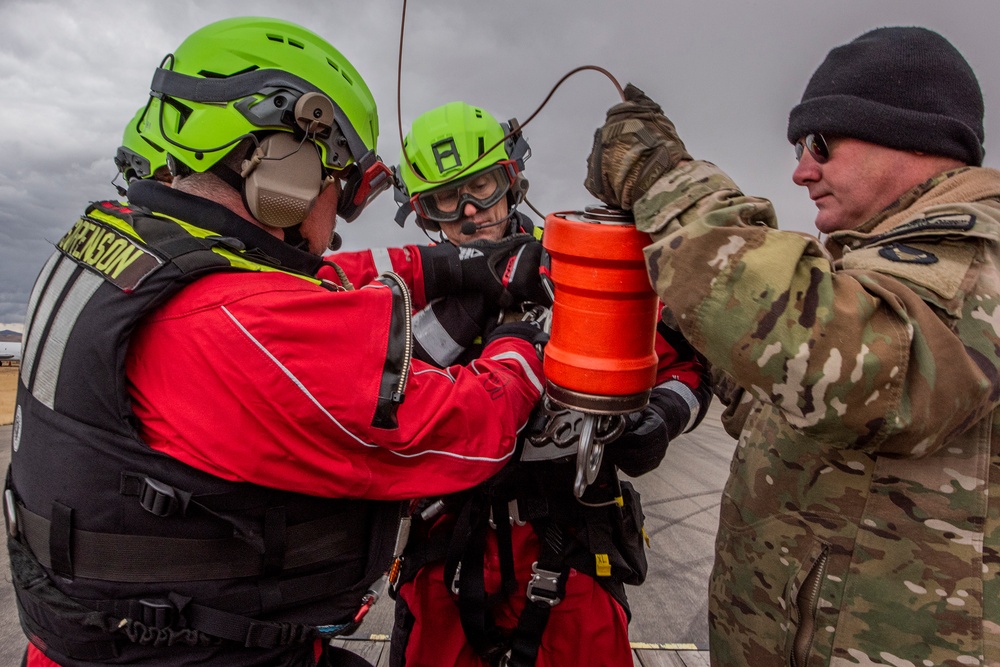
(904, 88)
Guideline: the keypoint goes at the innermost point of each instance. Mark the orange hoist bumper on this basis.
(600, 357)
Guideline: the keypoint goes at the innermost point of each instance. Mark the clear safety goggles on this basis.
(482, 189)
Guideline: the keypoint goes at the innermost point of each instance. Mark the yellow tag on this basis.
(620, 501)
(603, 565)
(645, 536)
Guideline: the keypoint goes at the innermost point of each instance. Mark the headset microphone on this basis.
(335, 242)
(469, 227)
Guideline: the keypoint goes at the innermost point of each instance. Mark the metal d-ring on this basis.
(585, 453)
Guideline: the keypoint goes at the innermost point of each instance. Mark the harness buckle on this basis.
(157, 498)
(157, 613)
(543, 588)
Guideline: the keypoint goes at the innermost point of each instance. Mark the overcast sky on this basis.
(726, 71)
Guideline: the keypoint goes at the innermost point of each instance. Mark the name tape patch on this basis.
(110, 252)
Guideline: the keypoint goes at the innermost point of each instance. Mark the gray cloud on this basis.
(726, 71)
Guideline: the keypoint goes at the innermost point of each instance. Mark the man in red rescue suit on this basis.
(214, 425)
(470, 556)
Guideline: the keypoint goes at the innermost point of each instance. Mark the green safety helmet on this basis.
(247, 75)
(139, 156)
(449, 144)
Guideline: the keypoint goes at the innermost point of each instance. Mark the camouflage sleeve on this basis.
(850, 358)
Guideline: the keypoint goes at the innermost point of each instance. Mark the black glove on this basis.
(525, 330)
(447, 327)
(648, 433)
(636, 145)
(505, 272)
(643, 444)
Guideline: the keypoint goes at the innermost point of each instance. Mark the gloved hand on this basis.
(505, 272)
(648, 433)
(636, 145)
(643, 444)
(528, 330)
(447, 327)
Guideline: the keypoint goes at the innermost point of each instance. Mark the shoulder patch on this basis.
(937, 267)
(946, 222)
(109, 252)
(900, 252)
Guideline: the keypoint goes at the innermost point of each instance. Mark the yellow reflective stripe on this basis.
(114, 221)
(237, 260)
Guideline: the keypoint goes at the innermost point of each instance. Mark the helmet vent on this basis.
(482, 145)
(276, 38)
(298, 45)
(333, 64)
(155, 146)
(183, 111)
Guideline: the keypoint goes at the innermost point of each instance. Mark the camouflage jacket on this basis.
(860, 524)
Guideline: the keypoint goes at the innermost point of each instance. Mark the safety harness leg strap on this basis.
(465, 568)
(545, 590)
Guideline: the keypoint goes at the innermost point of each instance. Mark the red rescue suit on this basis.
(271, 379)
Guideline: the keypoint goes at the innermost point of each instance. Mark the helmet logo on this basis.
(446, 150)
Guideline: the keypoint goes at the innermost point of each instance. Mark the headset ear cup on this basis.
(519, 189)
(282, 180)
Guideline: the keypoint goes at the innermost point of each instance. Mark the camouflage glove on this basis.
(636, 145)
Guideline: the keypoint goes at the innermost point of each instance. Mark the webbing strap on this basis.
(59, 536)
(531, 625)
(465, 564)
(148, 559)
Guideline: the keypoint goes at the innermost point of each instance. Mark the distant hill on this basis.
(8, 336)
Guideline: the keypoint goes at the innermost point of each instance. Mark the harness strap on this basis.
(149, 559)
(176, 611)
(464, 568)
(505, 547)
(545, 590)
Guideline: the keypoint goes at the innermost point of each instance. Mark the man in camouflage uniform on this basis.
(861, 523)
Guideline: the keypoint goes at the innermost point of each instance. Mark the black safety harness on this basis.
(602, 538)
(140, 550)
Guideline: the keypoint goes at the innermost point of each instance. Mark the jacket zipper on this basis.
(396, 369)
(807, 601)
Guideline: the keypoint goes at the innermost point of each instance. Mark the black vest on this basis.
(123, 554)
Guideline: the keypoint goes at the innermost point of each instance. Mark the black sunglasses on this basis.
(816, 144)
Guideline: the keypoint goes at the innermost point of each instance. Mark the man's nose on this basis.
(807, 170)
(469, 210)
